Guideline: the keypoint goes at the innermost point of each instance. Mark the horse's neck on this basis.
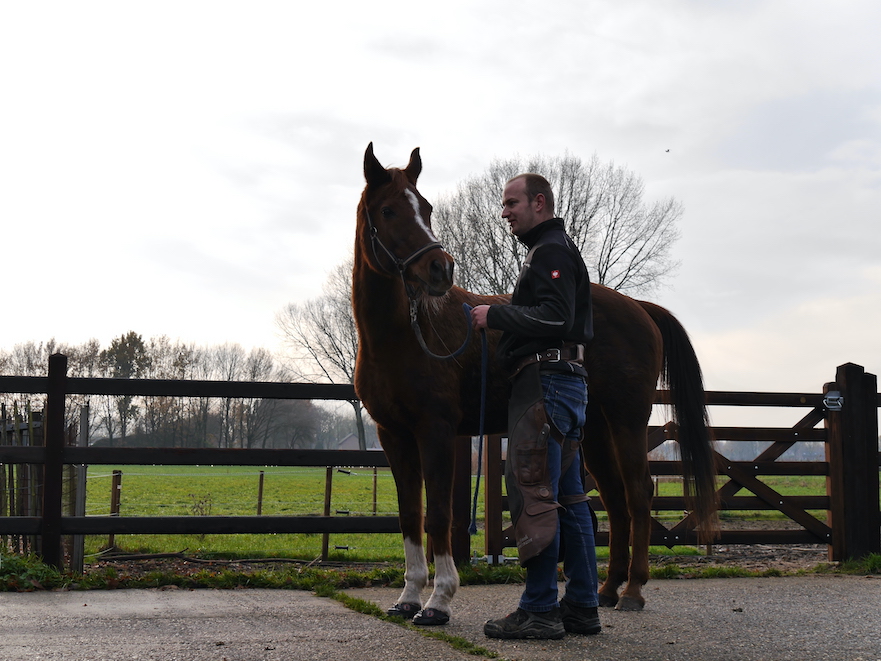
(379, 304)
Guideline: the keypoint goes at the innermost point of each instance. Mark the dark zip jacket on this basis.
(551, 302)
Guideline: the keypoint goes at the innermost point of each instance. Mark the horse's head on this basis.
(395, 228)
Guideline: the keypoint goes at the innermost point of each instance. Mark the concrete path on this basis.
(803, 618)
(762, 619)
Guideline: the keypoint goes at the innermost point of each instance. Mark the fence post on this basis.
(460, 538)
(260, 495)
(53, 466)
(492, 499)
(328, 491)
(77, 553)
(115, 497)
(852, 453)
(375, 488)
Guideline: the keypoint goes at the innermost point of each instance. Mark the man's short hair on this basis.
(535, 184)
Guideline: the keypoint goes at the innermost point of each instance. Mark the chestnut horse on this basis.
(402, 276)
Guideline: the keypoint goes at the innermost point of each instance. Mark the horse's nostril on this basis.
(441, 270)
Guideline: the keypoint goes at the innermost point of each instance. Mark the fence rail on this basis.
(850, 434)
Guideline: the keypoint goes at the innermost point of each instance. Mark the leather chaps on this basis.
(534, 510)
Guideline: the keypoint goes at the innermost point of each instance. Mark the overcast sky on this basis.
(188, 168)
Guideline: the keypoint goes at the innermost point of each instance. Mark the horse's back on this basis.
(625, 356)
(623, 360)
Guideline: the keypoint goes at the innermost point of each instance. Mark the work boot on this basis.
(577, 619)
(526, 624)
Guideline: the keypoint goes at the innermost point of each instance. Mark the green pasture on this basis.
(233, 490)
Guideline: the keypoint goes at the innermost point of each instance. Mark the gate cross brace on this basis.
(742, 479)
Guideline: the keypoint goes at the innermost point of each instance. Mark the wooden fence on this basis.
(848, 406)
(50, 525)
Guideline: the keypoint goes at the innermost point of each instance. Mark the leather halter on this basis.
(402, 265)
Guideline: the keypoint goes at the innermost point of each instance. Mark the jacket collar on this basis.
(532, 236)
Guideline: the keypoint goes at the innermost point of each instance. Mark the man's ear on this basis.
(539, 201)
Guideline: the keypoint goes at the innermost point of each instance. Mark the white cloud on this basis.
(799, 347)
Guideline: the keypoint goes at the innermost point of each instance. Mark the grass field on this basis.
(233, 490)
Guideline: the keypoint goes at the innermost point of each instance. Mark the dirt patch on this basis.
(140, 567)
(752, 557)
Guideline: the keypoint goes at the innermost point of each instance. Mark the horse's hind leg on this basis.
(603, 467)
(639, 488)
(636, 483)
(403, 457)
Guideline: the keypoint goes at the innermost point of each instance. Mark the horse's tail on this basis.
(681, 374)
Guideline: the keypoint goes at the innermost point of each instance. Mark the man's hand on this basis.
(478, 317)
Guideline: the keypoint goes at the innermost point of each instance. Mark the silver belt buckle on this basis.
(549, 354)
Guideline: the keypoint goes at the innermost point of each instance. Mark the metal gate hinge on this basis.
(833, 400)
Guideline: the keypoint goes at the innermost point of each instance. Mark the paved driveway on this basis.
(799, 618)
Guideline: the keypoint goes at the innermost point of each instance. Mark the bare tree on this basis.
(166, 421)
(197, 365)
(32, 359)
(126, 358)
(322, 338)
(228, 363)
(164, 417)
(84, 360)
(257, 416)
(626, 242)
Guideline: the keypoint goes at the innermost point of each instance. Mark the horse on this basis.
(402, 281)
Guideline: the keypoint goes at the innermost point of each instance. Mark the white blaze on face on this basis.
(415, 202)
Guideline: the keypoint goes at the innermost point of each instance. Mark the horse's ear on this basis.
(414, 167)
(374, 173)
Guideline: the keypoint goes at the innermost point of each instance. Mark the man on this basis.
(545, 329)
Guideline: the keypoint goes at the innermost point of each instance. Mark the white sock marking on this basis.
(415, 573)
(446, 582)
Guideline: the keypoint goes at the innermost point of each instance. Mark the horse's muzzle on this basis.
(440, 275)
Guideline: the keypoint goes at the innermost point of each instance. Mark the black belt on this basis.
(570, 353)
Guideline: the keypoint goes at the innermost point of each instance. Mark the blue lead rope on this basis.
(484, 360)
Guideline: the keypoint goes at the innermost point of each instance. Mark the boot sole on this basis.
(528, 633)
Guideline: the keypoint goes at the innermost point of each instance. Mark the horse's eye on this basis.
(387, 212)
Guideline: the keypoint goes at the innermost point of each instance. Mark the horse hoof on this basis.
(407, 611)
(607, 601)
(630, 604)
(430, 617)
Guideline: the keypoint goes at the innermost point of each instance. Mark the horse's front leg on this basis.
(403, 458)
(438, 464)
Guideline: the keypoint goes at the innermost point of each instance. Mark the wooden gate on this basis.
(848, 407)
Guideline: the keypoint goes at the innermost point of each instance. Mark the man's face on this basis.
(520, 213)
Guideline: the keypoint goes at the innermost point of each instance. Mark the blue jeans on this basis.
(566, 404)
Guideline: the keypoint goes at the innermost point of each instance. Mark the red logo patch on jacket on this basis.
(555, 274)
